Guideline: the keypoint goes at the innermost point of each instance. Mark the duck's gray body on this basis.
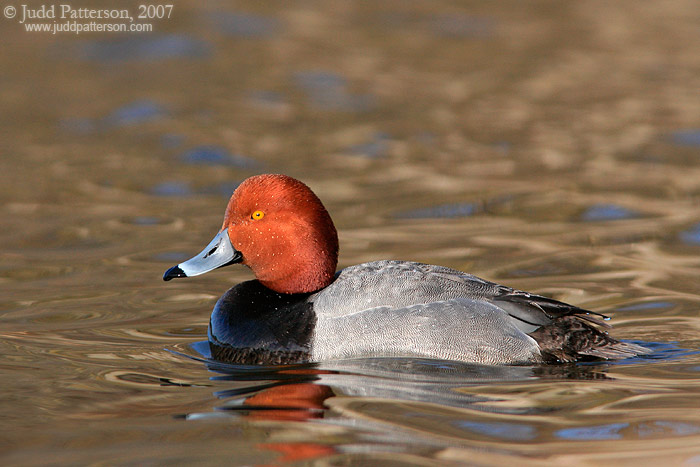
(398, 308)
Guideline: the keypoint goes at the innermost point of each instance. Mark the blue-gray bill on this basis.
(218, 253)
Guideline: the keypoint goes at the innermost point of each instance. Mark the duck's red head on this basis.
(279, 228)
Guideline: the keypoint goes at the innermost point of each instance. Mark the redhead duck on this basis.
(299, 309)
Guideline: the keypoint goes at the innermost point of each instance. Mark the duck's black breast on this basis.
(254, 325)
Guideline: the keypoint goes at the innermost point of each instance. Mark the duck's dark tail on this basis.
(571, 338)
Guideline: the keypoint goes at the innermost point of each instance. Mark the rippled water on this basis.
(550, 146)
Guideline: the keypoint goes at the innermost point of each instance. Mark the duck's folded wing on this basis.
(565, 333)
(534, 311)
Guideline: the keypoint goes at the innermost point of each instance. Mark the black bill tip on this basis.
(173, 272)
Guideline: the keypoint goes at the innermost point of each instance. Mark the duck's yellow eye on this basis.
(257, 215)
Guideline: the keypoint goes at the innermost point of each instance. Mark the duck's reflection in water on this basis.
(378, 399)
(295, 392)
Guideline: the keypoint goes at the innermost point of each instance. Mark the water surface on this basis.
(549, 146)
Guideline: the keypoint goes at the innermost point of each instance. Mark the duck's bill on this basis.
(217, 254)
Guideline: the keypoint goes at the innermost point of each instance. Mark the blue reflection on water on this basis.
(678, 428)
(175, 189)
(608, 212)
(646, 306)
(134, 113)
(509, 431)
(375, 148)
(594, 432)
(691, 236)
(217, 155)
(171, 189)
(689, 137)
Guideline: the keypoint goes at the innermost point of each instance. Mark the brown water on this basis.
(550, 146)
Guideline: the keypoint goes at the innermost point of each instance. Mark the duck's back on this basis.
(397, 284)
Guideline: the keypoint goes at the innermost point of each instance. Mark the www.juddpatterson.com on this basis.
(77, 28)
